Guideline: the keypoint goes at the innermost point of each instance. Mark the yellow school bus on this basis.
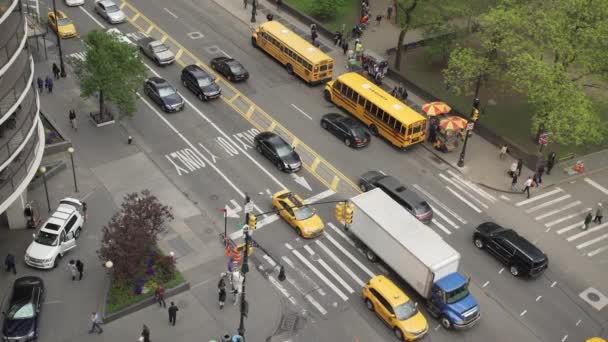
(296, 54)
(380, 111)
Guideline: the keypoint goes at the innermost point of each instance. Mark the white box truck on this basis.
(417, 254)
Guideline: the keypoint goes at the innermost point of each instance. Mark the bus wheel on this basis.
(373, 129)
(289, 69)
(254, 42)
(327, 95)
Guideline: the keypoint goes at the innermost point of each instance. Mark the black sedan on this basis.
(278, 151)
(163, 94)
(230, 68)
(200, 83)
(346, 129)
(22, 313)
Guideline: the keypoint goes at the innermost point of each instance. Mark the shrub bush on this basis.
(326, 9)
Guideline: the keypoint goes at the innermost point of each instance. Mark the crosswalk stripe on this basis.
(464, 200)
(587, 232)
(441, 227)
(546, 204)
(304, 275)
(592, 241)
(445, 207)
(347, 253)
(282, 290)
(336, 276)
(565, 218)
(570, 227)
(597, 251)
(444, 217)
(340, 263)
(568, 206)
(474, 198)
(321, 276)
(536, 198)
(341, 233)
(309, 250)
(269, 260)
(316, 304)
(596, 185)
(474, 187)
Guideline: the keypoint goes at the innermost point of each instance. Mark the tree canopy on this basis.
(111, 68)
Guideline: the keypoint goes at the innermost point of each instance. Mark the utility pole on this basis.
(245, 269)
(61, 66)
(474, 118)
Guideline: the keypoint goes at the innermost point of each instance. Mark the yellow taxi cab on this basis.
(596, 339)
(292, 209)
(397, 311)
(62, 25)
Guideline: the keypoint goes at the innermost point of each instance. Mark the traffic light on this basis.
(349, 213)
(340, 211)
(475, 115)
(252, 222)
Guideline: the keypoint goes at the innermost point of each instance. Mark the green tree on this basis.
(113, 69)
(326, 9)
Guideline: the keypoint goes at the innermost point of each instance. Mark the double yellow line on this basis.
(326, 173)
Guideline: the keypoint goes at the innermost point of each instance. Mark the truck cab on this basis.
(451, 302)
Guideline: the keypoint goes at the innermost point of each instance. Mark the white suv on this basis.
(57, 236)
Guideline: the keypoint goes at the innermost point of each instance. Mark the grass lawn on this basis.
(347, 15)
(122, 295)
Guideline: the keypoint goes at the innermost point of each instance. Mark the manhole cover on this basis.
(289, 322)
(594, 298)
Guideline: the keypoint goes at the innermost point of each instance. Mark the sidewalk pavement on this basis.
(121, 168)
(482, 164)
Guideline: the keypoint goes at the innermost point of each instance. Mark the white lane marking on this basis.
(523, 313)
(592, 241)
(440, 226)
(321, 276)
(309, 250)
(300, 180)
(597, 251)
(546, 204)
(336, 276)
(553, 284)
(170, 13)
(464, 200)
(53, 302)
(565, 218)
(269, 260)
(319, 196)
(288, 261)
(564, 338)
(347, 253)
(301, 111)
(288, 246)
(538, 298)
(304, 275)
(553, 212)
(315, 304)
(473, 186)
(282, 290)
(341, 233)
(578, 322)
(437, 327)
(587, 232)
(596, 185)
(92, 17)
(501, 270)
(445, 207)
(505, 198)
(536, 198)
(486, 283)
(458, 186)
(340, 263)
(444, 217)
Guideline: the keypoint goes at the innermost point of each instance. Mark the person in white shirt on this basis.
(527, 186)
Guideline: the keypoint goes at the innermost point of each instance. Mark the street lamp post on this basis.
(46, 190)
(71, 151)
(474, 116)
(61, 65)
(245, 270)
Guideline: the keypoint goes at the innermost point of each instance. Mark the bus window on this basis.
(409, 130)
(385, 118)
(349, 94)
(330, 66)
(374, 110)
(345, 90)
(391, 122)
(368, 106)
(361, 100)
(323, 67)
(337, 86)
(398, 127)
(417, 129)
(402, 130)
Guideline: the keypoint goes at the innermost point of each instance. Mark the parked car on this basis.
(200, 83)
(156, 51)
(57, 236)
(349, 130)
(406, 197)
(278, 151)
(230, 68)
(163, 94)
(521, 256)
(62, 25)
(395, 309)
(74, 2)
(22, 310)
(120, 36)
(108, 10)
(292, 209)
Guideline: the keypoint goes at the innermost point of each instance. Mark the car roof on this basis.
(289, 196)
(393, 294)
(272, 138)
(106, 2)
(522, 244)
(157, 81)
(196, 71)
(394, 185)
(232, 62)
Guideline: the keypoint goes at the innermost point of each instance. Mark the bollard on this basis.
(226, 338)
(129, 140)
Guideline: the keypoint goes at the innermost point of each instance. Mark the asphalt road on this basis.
(207, 152)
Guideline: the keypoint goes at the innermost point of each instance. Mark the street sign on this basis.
(248, 207)
(470, 126)
(245, 229)
(543, 139)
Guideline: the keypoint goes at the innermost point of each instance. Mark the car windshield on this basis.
(160, 48)
(358, 131)
(47, 239)
(422, 208)
(303, 213)
(112, 9)
(457, 295)
(406, 310)
(282, 148)
(63, 22)
(205, 81)
(20, 310)
(236, 69)
(166, 91)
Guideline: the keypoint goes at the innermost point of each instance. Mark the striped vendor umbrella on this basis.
(436, 108)
(453, 123)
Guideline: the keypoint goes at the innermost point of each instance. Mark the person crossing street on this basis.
(599, 213)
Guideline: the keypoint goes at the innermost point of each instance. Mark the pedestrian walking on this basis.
(313, 36)
(72, 117)
(313, 28)
(9, 262)
(378, 19)
(395, 91)
(527, 186)
(245, 4)
(599, 213)
(503, 151)
(237, 286)
(539, 173)
(145, 334)
(279, 4)
(402, 92)
(84, 210)
(40, 83)
(551, 161)
(173, 309)
(73, 270)
(514, 182)
(95, 323)
(520, 165)
(358, 49)
(221, 287)
(389, 12)
(80, 268)
(344, 46)
(48, 82)
(159, 294)
(587, 221)
(512, 169)
(56, 70)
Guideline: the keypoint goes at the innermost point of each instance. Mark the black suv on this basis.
(163, 94)
(407, 198)
(22, 310)
(522, 257)
(200, 83)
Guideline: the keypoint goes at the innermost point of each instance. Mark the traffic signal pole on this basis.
(244, 306)
(474, 118)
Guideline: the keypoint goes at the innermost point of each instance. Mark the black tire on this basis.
(279, 166)
(77, 233)
(327, 95)
(445, 322)
(201, 96)
(478, 243)
(370, 255)
(347, 142)
(369, 305)
(254, 42)
(184, 84)
(324, 124)
(259, 148)
(514, 270)
(289, 69)
(398, 334)
(373, 129)
(56, 262)
(363, 187)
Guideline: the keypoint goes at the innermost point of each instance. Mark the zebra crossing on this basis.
(81, 56)
(559, 212)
